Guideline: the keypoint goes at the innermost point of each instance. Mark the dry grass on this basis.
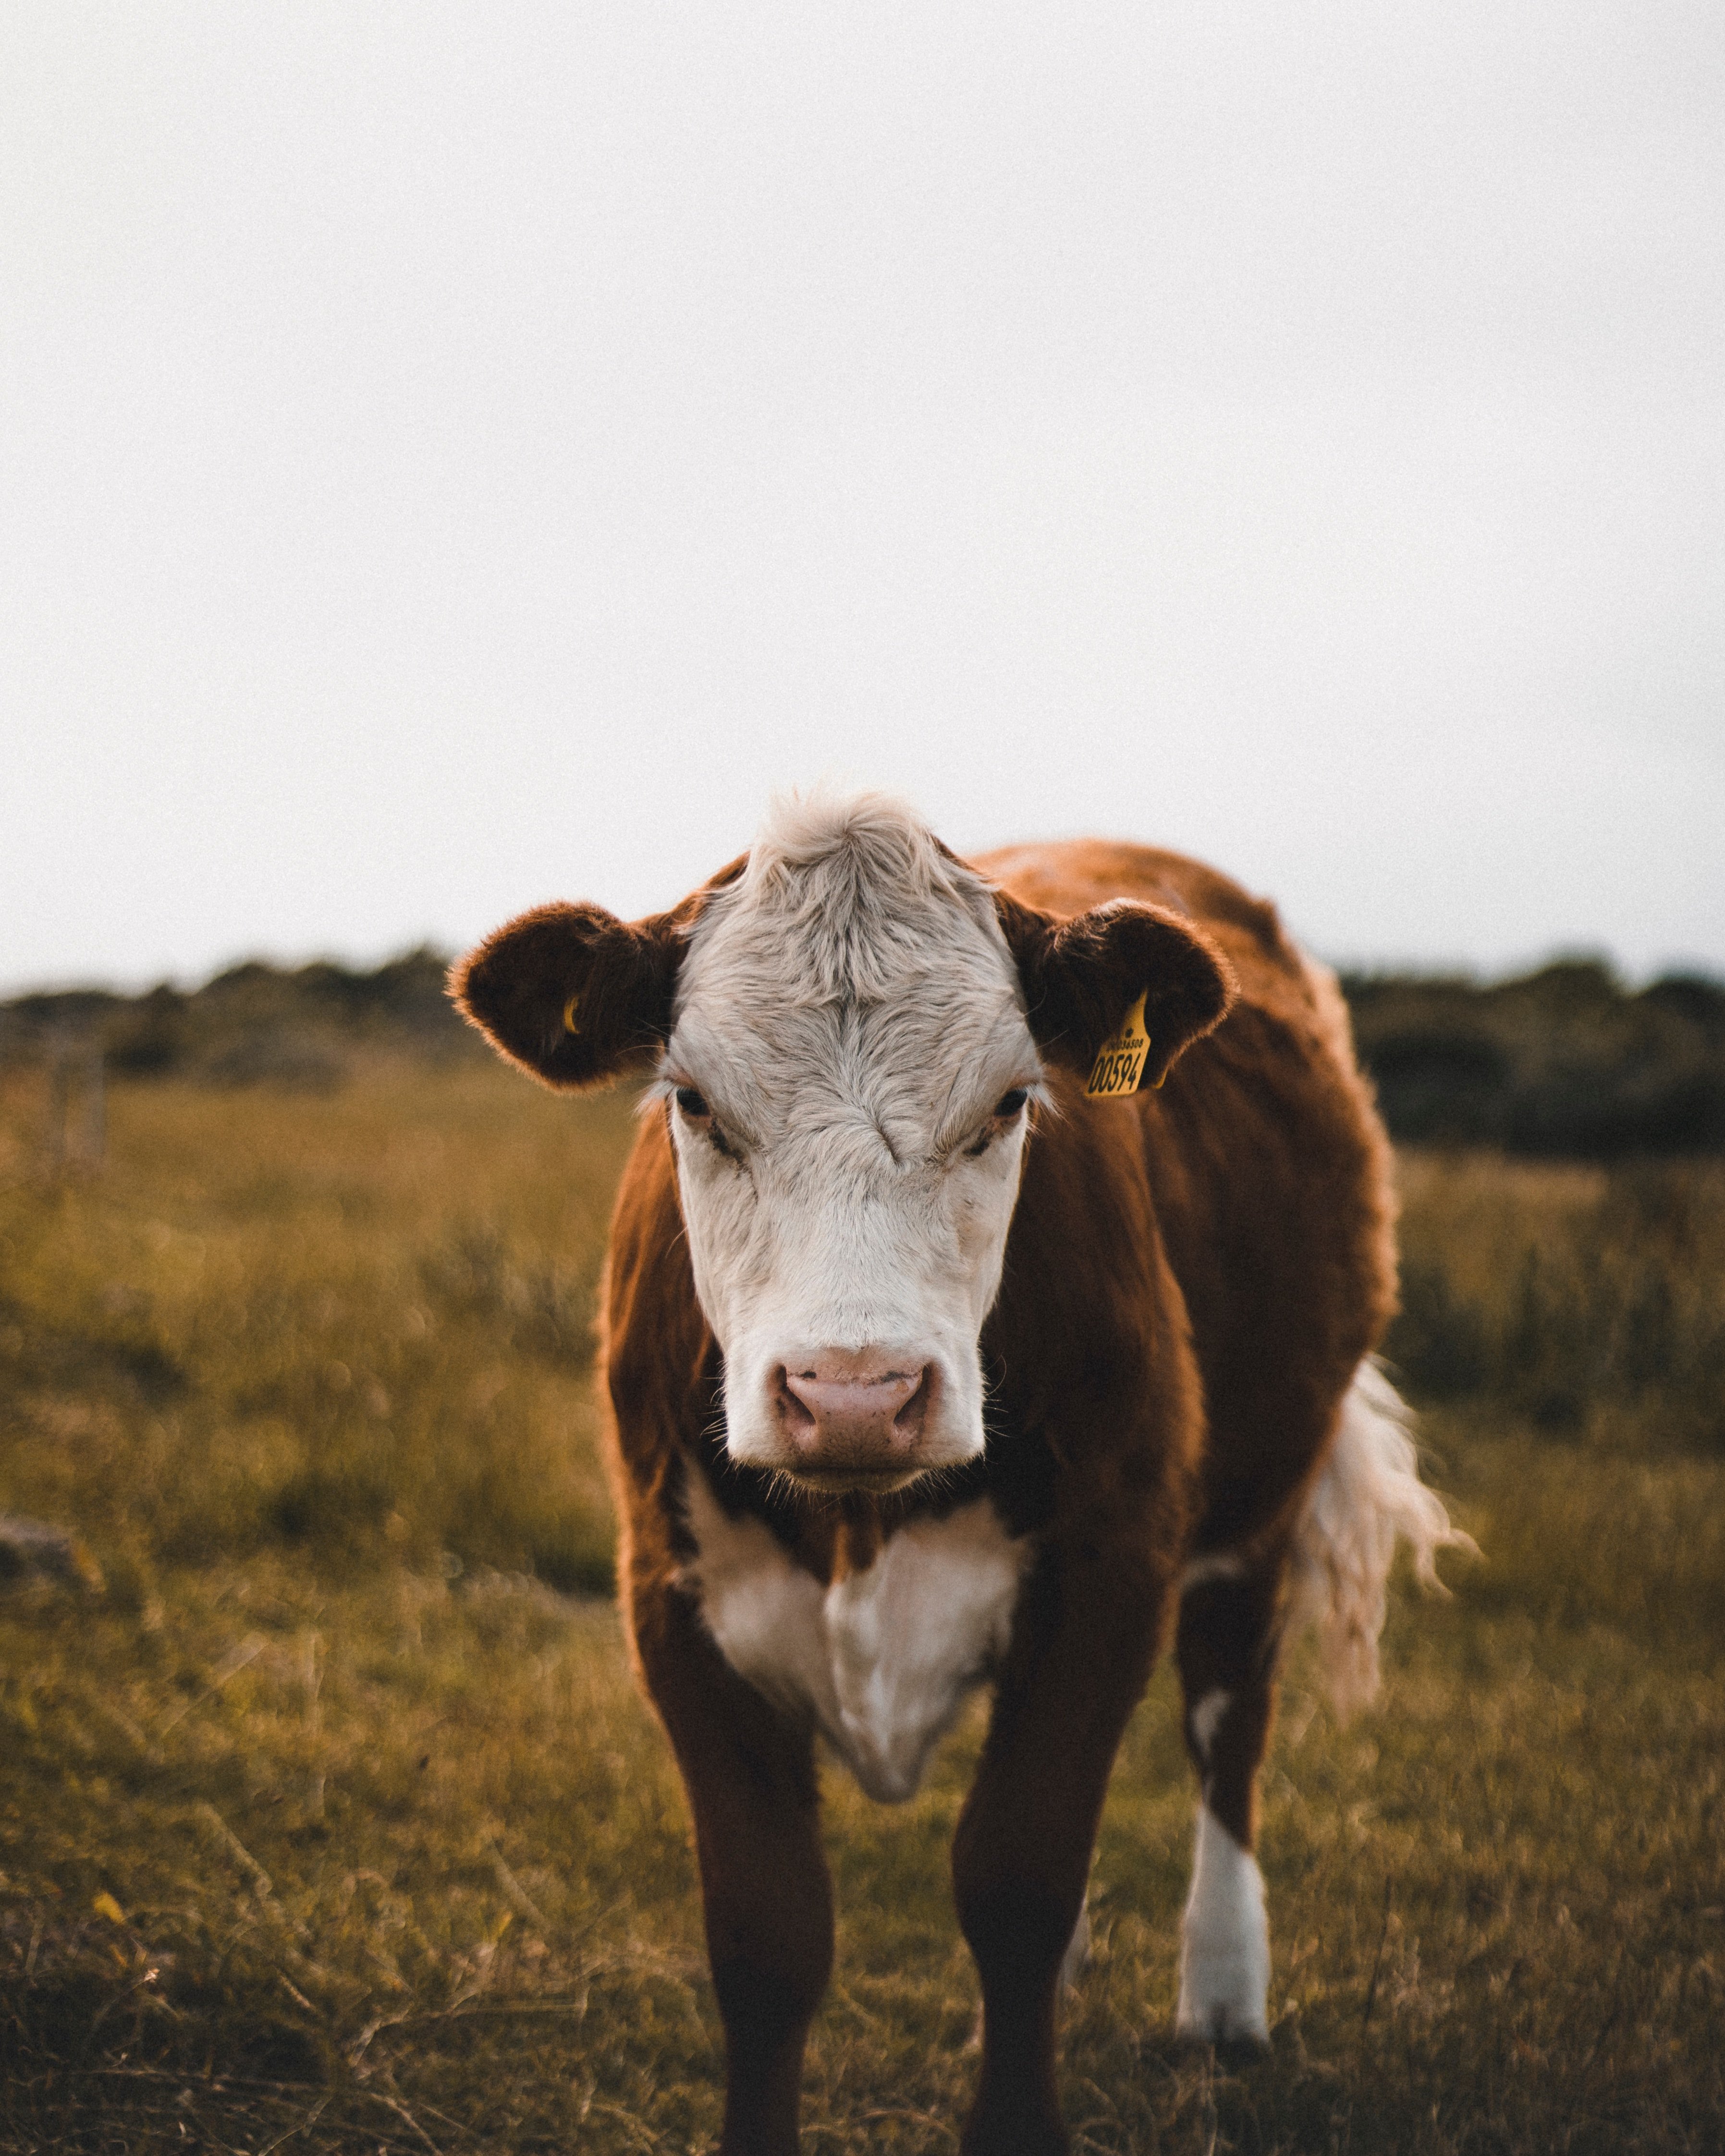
(1589, 1302)
(356, 1323)
(331, 1826)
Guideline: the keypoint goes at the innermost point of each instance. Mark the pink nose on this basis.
(848, 1413)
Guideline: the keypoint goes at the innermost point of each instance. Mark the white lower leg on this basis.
(1224, 1942)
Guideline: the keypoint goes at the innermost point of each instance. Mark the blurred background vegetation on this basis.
(333, 1820)
(1564, 1063)
(1557, 1296)
(1561, 1063)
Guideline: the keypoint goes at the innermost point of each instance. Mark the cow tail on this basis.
(1366, 1497)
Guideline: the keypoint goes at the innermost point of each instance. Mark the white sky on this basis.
(455, 457)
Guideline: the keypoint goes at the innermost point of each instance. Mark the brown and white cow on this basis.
(931, 1367)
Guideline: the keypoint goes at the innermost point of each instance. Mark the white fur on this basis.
(1224, 1942)
(1076, 1957)
(882, 1659)
(851, 1013)
(1218, 1564)
(1207, 1720)
(1369, 1493)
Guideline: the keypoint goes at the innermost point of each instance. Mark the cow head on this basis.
(849, 1032)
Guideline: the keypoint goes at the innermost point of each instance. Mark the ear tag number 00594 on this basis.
(1119, 1062)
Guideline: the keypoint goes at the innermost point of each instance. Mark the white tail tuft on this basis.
(1369, 1493)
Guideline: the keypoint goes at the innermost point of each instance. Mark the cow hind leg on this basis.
(1233, 1618)
(1226, 1650)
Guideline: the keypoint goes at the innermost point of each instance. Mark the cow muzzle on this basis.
(850, 1421)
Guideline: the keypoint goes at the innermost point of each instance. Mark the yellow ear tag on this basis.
(1119, 1062)
(569, 1024)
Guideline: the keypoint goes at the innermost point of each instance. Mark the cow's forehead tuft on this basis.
(837, 838)
(847, 900)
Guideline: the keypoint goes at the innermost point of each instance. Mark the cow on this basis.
(992, 1289)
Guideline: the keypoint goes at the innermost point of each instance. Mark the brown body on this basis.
(1193, 1277)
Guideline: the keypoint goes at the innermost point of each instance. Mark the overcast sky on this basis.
(455, 457)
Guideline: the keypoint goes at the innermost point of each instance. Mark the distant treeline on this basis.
(255, 1023)
(1563, 1063)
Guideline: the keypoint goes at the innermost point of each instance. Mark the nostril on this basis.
(909, 1419)
(797, 1415)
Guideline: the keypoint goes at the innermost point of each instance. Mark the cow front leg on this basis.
(765, 1893)
(1081, 1655)
(1227, 1644)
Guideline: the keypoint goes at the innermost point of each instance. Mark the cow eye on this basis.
(693, 1104)
(1006, 1110)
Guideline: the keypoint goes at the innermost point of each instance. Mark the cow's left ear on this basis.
(1081, 977)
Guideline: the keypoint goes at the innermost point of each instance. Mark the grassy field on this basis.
(334, 1822)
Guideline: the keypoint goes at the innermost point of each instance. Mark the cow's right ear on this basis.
(570, 993)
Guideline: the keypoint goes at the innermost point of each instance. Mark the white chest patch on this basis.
(882, 1659)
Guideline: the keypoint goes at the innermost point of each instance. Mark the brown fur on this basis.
(1192, 1278)
(1082, 974)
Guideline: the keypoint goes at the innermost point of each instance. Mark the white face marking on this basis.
(1207, 1719)
(881, 1659)
(849, 1022)
(1224, 1942)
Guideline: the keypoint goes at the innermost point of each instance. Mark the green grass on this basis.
(330, 1825)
